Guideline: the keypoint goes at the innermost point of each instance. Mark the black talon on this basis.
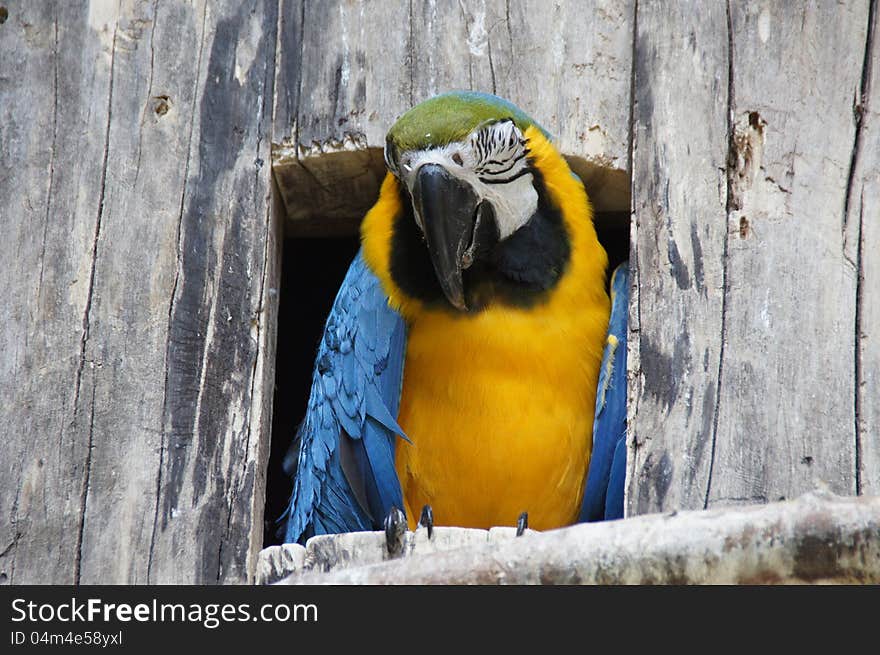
(395, 528)
(522, 524)
(426, 520)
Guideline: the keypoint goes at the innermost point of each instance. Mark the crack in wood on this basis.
(94, 255)
(279, 21)
(632, 98)
(51, 160)
(15, 521)
(302, 46)
(491, 65)
(88, 308)
(725, 283)
(859, 111)
(467, 38)
(411, 62)
(84, 493)
(9, 547)
(634, 374)
(509, 26)
(858, 353)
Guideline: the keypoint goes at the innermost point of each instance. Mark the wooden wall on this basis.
(755, 324)
(141, 244)
(138, 254)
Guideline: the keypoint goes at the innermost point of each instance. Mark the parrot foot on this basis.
(395, 529)
(522, 524)
(426, 520)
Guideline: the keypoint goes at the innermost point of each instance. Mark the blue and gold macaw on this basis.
(460, 363)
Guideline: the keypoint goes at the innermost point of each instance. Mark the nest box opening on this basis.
(312, 268)
(322, 194)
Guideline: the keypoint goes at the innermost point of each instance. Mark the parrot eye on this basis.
(457, 159)
(500, 150)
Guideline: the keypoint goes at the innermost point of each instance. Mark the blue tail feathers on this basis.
(603, 496)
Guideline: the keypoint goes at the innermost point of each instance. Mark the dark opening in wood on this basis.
(613, 231)
(312, 270)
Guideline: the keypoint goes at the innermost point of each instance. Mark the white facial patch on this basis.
(493, 160)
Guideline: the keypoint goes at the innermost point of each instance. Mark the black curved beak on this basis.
(447, 208)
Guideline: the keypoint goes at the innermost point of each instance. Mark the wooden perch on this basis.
(817, 538)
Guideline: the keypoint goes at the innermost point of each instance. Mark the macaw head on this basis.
(475, 223)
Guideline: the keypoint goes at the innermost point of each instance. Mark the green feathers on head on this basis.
(450, 117)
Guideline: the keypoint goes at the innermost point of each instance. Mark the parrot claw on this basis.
(522, 524)
(426, 520)
(395, 529)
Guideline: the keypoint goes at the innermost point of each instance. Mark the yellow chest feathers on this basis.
(499, 408)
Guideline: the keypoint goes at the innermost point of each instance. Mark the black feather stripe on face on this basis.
(499, 148)
(509, 164)
(505, 180)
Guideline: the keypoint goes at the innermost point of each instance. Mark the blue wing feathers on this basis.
(603, 496)
(616, 482)
(381, 485)
(355, 395)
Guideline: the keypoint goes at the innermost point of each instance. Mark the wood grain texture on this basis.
(334, 552)
(678, 250)
(137, 350)
(364, 64)
(746, 376)
(816, 538)
(53, 138)
(861, 250)
(221, 308)
(135, 193)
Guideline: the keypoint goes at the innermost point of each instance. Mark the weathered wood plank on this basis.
(786, 409)
(861, 239)
(678, 250)
(133, 267)
(745, 377)
(221, 318)
(568, 65)
(137, 202)
(48, 207)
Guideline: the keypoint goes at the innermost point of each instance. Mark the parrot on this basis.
(473, 362)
